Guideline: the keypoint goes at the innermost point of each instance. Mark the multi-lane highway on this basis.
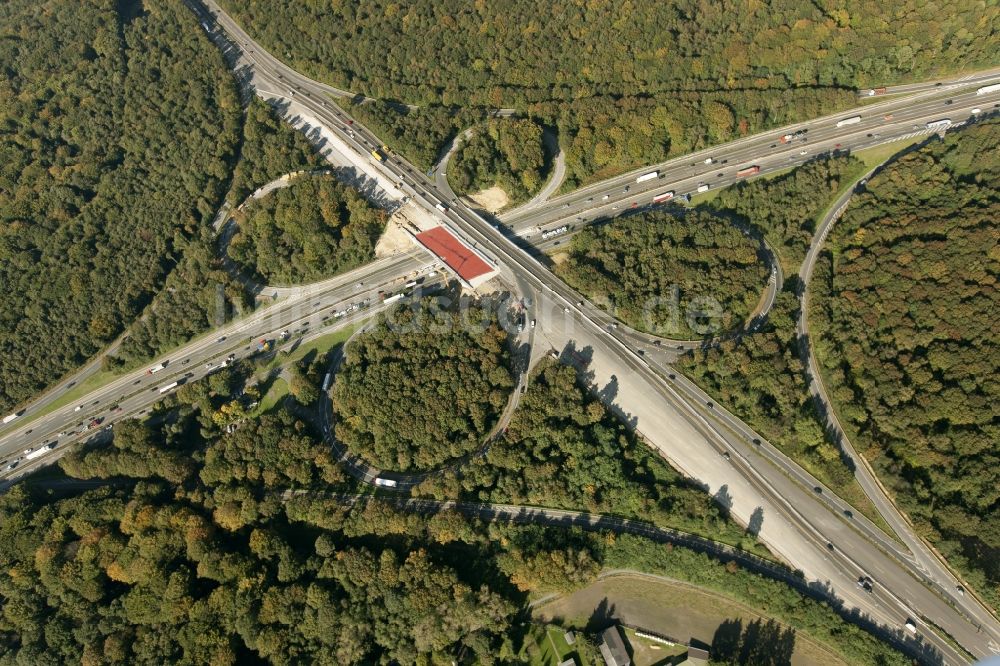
(976, 78)
(801, 527)
(306, 315)
(880, 123)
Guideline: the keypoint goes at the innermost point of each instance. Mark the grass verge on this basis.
(705, 197)
(91, 383)
(320, 344)
(276, 392)
(875, 155)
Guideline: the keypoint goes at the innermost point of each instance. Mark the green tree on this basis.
(450, 368)
(673, 273)
(314, 228)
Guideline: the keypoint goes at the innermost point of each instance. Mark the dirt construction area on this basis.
(668, 608)
(491, 200)
(394, 239)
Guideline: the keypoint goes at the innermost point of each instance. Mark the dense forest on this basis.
(640, 80)
(606, 135)
(680, 274)
(207, 547)
(115, 153)
(450, 368)
(564, 449)
(270, 148)
(905, 324)
(505, 152)
(490, 54)
(787, 208)
(198, 294)
(314, 228)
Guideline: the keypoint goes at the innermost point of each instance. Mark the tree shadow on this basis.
(608, 394)
(724, 500)
(602, 617)
(579, 359)
(756, 521)
(760, 643)
(726, 641)
(767, 644)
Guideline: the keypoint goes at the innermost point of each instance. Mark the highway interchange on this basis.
(813, 534)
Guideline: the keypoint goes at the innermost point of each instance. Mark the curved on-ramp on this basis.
(440, 173)
(935, 568)
(225, 228)
(363, 471)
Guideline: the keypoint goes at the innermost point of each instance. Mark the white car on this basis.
(605, 197)
(976, 111)
(708, 160)
(78, 408)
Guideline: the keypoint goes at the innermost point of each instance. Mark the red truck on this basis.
(749, 171)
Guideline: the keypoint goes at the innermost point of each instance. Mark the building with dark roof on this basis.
(696, 656)
(613, 648)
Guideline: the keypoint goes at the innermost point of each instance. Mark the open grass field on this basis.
(668, 608)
